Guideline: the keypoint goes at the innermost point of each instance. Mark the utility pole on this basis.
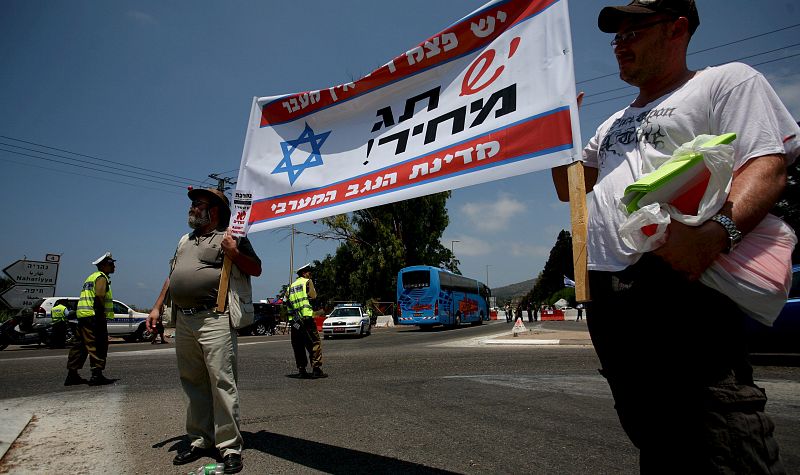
(222, 181)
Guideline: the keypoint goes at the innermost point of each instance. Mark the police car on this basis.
(346, 319)
(127, 323)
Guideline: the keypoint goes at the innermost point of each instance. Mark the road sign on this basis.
(19, 296)
(33, 272)
(52, 257)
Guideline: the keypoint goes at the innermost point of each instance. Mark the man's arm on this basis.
(310, 290)
(152, 318)
(246, 263)
(100, 289)
(561, 181)
(756, 187)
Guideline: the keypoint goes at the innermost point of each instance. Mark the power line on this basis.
(191, 180)
(57, 170)
(736, 59)
(707, 49)
(86, 162)
(89, 168)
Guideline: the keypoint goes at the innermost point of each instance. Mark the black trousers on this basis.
(306, 339)
(674, 355)
(93, 333)
(58, 335)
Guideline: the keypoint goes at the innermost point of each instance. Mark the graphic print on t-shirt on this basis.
(634, 129)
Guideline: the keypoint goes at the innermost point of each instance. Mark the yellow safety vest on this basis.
(86, 301)
(298, 299)
(58, 313)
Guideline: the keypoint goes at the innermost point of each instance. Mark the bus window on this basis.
(416, 279)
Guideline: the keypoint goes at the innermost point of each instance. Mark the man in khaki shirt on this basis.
(205, 340)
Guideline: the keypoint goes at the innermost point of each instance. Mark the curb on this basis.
(522, 342)
(11, 428)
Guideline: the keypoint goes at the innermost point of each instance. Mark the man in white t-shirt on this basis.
(679, 371)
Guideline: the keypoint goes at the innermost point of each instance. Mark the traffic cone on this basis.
(519, 327)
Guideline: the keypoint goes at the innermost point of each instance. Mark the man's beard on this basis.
(198, 221)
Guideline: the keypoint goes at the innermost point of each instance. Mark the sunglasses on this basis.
(631, 35)
(197, 204)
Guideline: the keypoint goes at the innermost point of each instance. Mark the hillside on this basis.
(517, 290)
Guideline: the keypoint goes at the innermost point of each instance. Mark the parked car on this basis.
(784, 335)
(346, 319)
(127, 323)
(266, 318)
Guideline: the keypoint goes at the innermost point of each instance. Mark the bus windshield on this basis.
(417, 279)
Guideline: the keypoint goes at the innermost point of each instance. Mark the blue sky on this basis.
(166, 86)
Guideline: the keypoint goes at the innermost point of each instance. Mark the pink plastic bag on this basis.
(757, 275)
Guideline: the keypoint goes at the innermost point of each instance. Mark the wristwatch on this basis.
(734, 235)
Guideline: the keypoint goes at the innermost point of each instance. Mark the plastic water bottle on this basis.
(209, 469)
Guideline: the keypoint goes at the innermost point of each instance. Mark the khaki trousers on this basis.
(93, 332)
(206, 348)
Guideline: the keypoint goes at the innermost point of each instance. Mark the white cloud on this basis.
(468, 246)
(528, 250)
(492, 216)
(141, 17)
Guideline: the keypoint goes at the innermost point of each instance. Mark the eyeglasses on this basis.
(631, 35)
(197, 204)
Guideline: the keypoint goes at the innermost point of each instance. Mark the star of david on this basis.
(314, 159)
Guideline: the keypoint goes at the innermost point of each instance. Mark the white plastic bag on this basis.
(757, 275)
(646, 228)
(719, 162)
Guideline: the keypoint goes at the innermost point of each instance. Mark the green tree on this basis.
(376, 243)
(558, 265)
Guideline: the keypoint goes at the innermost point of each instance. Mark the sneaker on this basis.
(318, 373)
(73, 379)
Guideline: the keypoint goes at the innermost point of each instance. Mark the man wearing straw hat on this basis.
(205, 340)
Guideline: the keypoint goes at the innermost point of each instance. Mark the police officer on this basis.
(95, 307)
(304, 334)
(58, 315)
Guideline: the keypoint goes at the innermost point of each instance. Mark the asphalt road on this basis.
(398, 401)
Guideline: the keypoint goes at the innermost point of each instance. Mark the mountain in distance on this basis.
(513, 291)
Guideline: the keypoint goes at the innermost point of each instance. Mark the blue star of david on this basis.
(314, 158)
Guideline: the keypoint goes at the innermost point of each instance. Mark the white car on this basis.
(127, 323)
(350, 319)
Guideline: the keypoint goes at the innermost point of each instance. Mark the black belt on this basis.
(195, 310)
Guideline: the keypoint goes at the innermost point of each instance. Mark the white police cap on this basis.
(102, 258)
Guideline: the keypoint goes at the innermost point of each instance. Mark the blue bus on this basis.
(428, 296)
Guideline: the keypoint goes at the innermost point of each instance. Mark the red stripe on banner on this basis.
(534, 136)
(471, 34)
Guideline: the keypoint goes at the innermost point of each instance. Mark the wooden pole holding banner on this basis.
(224, 277)
(577, 208)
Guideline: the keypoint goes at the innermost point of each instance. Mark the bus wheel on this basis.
(480, 320)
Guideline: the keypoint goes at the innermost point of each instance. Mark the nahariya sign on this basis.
(491, 96)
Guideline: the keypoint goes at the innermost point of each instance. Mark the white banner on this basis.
(490, 97)
(240, 213)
